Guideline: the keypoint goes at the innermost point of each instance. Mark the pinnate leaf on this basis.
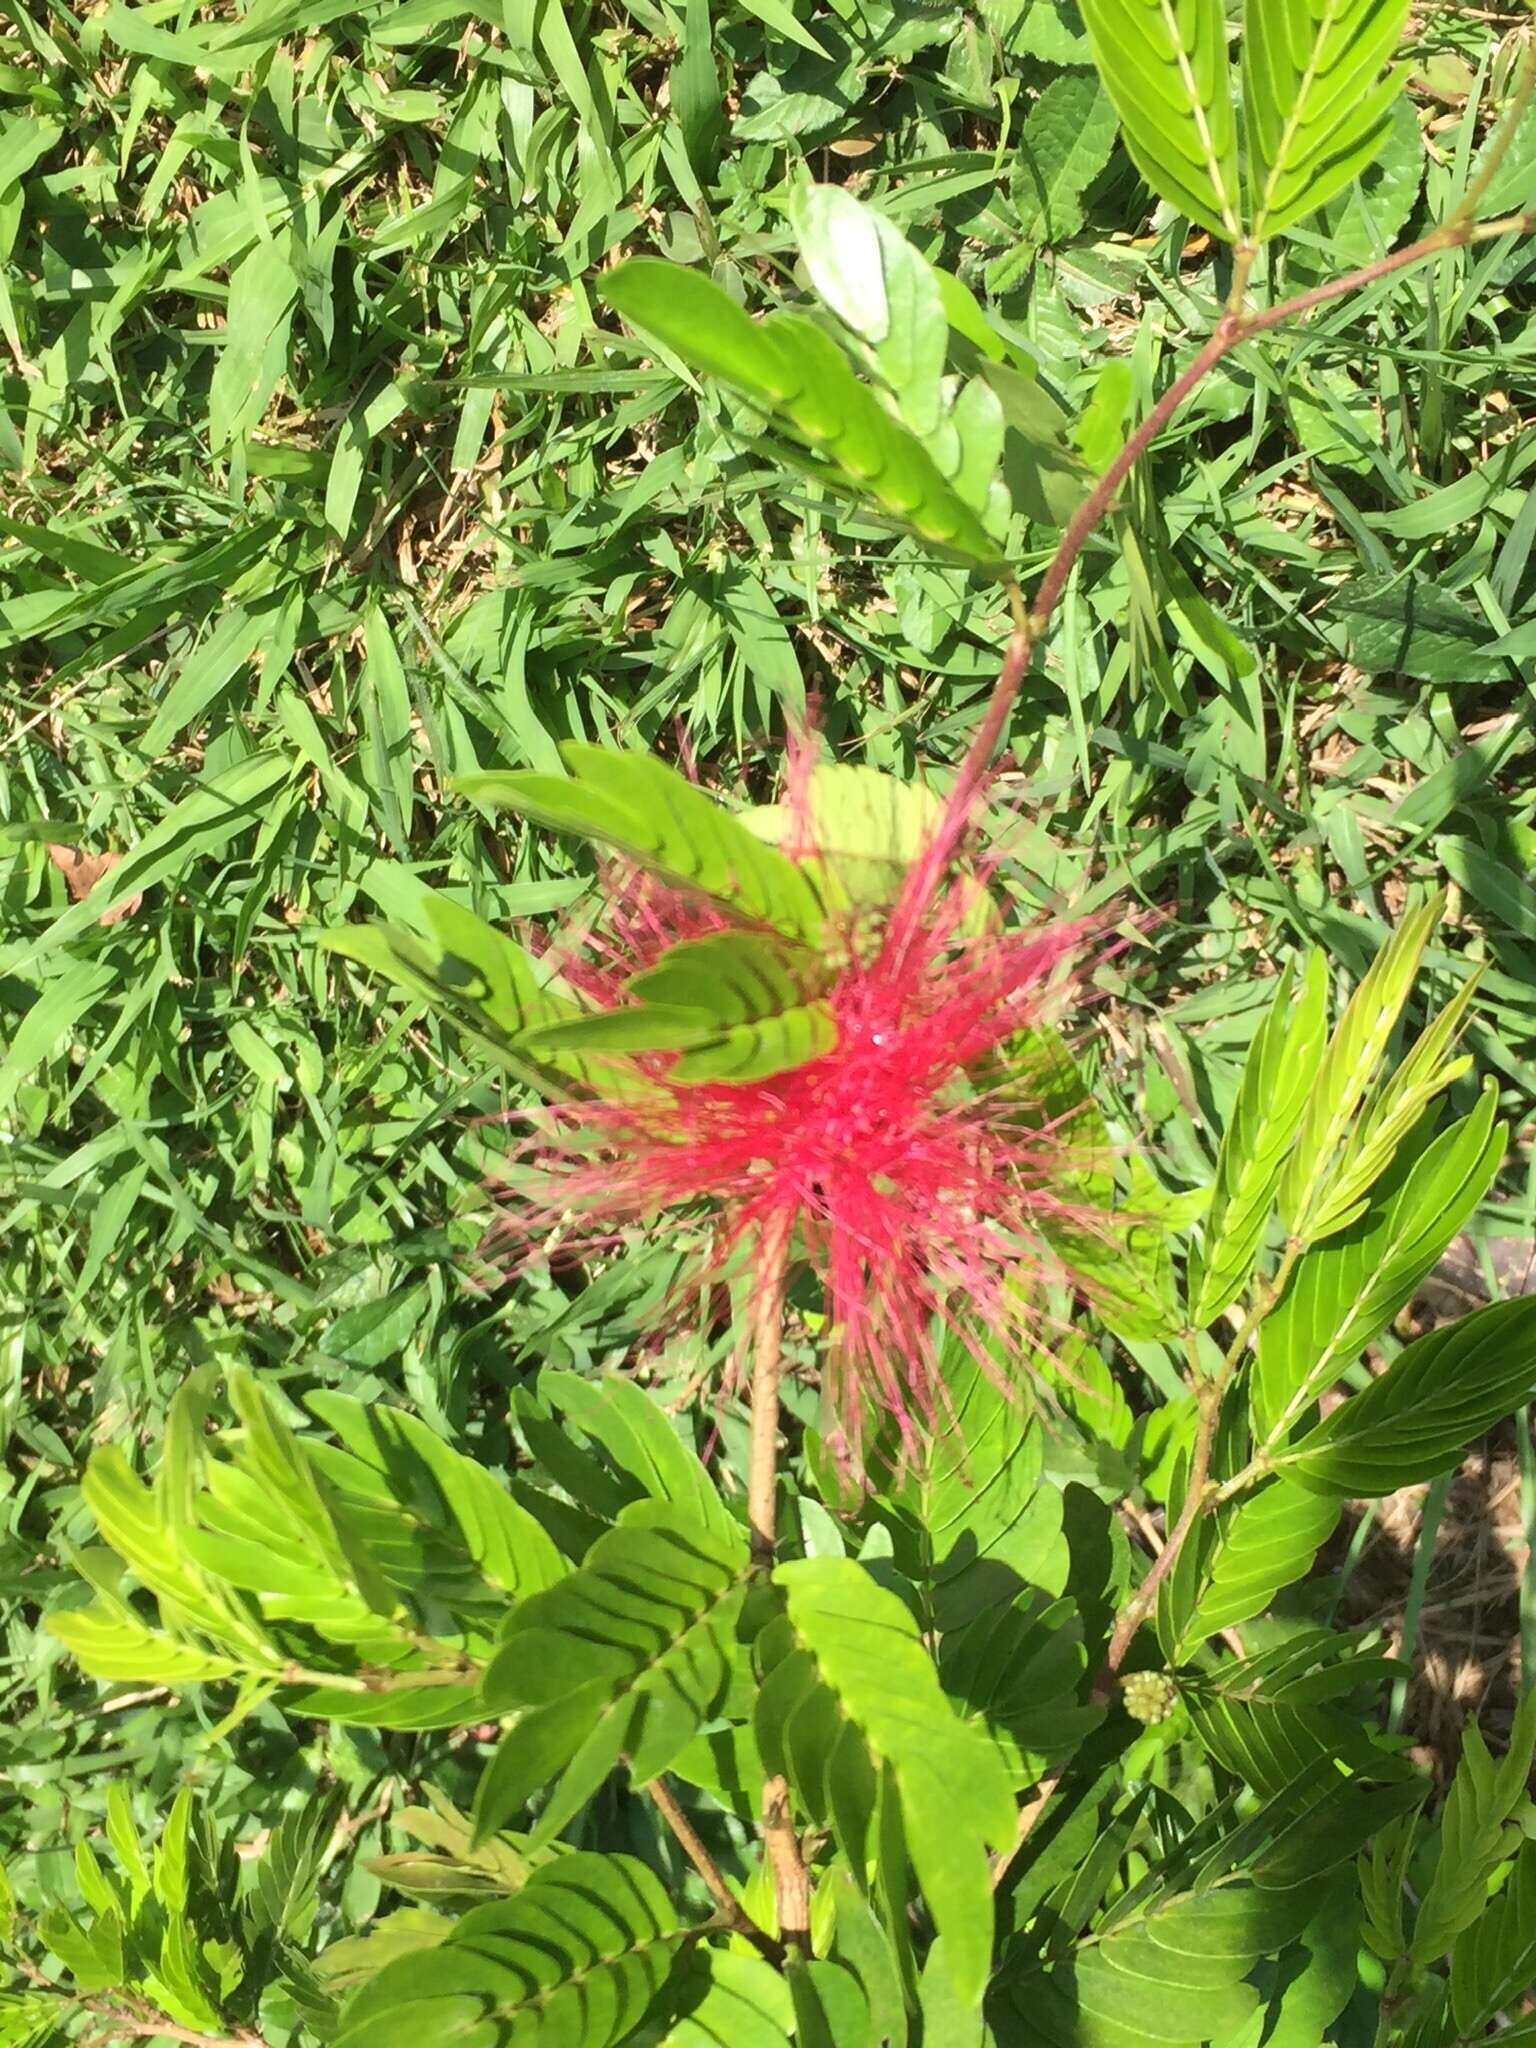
(955, 1794)
(1474, 1833)
(1164, 63)
(1493, 1960)
(1316, 107)
(1348, 1068)
(575, 1958)
(1345, 1291)
(1263, 1544)
(1281, 1066)
(790, 370)
(641, 807)
(1439, 1393)
(628, 1655)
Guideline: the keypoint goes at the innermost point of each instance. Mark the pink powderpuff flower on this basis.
(901, 1165)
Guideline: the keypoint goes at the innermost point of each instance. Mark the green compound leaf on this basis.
(1345, 1291)
(1280, 1069)
(956, 1797)
(630, 1655)
(481, 980)
(1474, 1833)
(1263, 1544)
(576, 1958)
(1437, 1395)
(1316, 107)
(1493, 1962)
(1348, 1068)
(642, 808)
(790, 370)
(1164, 64)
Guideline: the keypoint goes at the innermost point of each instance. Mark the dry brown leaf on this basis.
(82, 871)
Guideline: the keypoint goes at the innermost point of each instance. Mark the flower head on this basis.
(901, 1163)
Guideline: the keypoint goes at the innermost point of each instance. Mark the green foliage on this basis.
(578, 1956)
(1316, 105)
(359, 490)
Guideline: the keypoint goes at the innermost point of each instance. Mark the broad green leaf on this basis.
(629, 1655)
(1164, 63)
(1316, 107)
(1263, 1544)
(726, 2000)
(618, 1416)
(1439, 1393)
(1349, 1066)
(438, 1496)
(1282, 1064)
(956, 1796)
(976, 1527)
(1063, 145)
(1474, 1833)
(638, 805)
(575, 1959)
(1345, 1291)
(790, 370)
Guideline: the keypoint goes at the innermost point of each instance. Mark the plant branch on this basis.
(1232, 328)
(1139, 1606)
(732, 1912)
(791, 1879)
(767, 1340)
(144, 2024)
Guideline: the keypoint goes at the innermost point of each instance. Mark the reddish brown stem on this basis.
(1140, 1605)
(1233, 327)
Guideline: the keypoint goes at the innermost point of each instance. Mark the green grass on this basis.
(324, 481)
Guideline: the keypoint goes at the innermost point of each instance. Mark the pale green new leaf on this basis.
(1394, 1109)
(1316, 107)
(1474, 1833)
(1345, 1291)
(1281, 1066)
(799, 377)
(1439, 1393)
(628, 1655)
(955, 1793)
(575, 1959)
(1349, 1066)
(1164, 63)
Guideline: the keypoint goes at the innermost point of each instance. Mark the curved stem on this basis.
(767, 1338)
(1140, 1605)
(689, 1840)
(1233, 327)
